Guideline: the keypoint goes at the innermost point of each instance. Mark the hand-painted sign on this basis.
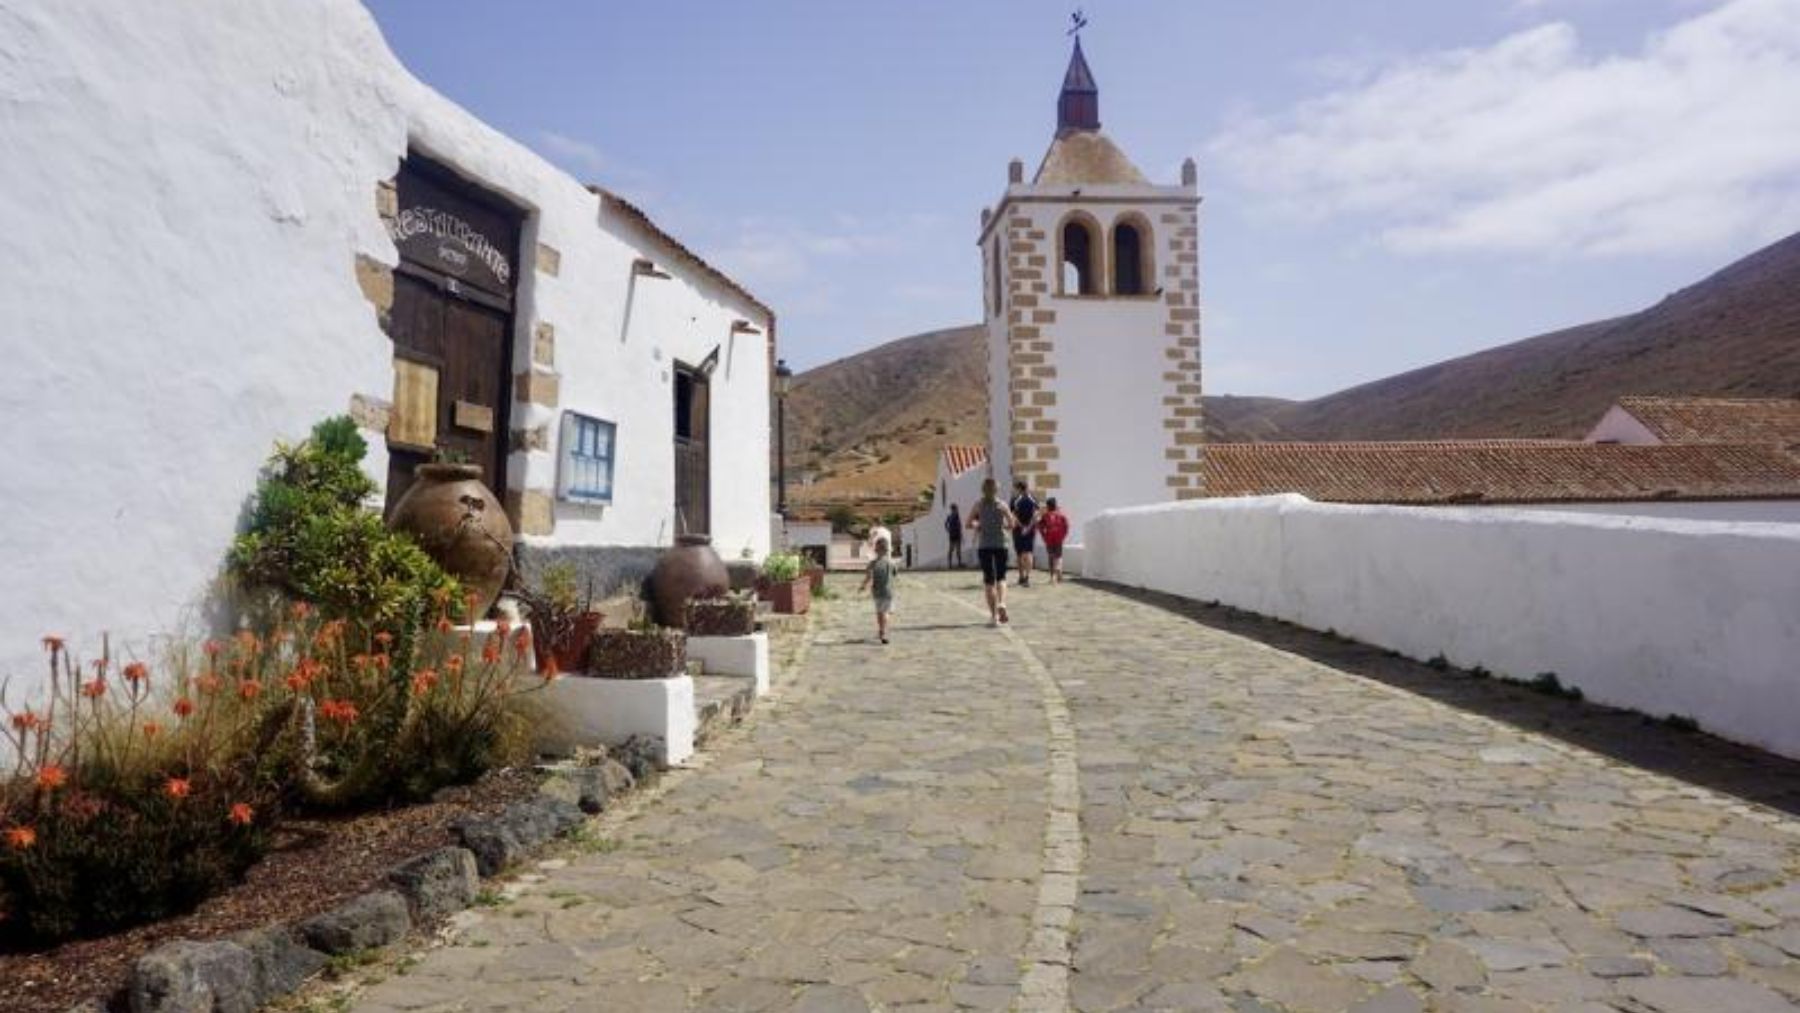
(443, 229)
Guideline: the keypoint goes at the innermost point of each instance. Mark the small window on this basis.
(587, 459)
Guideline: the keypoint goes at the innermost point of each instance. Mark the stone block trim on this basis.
(538, 388)
(1030, 348)
(532, 511)
(543, 345)
(1184, 414)
(549, 260)
(377, 283)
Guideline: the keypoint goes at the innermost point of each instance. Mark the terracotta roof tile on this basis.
(1718, 419)
(958, 458)
(1500, 471)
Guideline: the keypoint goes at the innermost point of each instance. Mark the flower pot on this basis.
(637, 654)
(791, 597)
(572, 653)
(815, 577)
(457, 521)
(690, 569)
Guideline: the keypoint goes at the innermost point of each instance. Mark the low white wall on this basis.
(1664, 616)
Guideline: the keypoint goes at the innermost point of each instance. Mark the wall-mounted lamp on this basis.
(708, 364)
(645, 269)
(744, 327)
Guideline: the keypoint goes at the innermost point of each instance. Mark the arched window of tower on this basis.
(1080, 274)
(1132, 267)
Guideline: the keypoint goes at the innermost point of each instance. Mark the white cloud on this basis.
(1533, 145)
(572, 153)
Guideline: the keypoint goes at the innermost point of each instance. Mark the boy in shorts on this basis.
(879, 580)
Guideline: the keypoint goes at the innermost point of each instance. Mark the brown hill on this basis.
(868, 427)
(1736, 333)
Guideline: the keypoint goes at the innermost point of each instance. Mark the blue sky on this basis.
(1387, 182)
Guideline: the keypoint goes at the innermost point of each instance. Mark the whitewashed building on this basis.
(960, 471)
(225, 220)
(1091, 274)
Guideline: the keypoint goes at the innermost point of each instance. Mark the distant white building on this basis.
(1091, 275)
(228, 220)
(960, 470)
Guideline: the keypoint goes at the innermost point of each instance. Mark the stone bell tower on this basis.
(1091, 274)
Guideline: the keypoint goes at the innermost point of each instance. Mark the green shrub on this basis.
(312, 538)
(782, 567)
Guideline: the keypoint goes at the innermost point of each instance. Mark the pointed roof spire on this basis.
(1078, 108)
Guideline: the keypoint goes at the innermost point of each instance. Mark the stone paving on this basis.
(1257, 832)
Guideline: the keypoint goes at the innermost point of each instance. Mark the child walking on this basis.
(879, 580)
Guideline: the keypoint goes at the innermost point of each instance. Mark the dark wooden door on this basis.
(693, 482)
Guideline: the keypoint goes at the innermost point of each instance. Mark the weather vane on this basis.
(1080, 21)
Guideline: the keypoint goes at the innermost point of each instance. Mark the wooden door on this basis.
(693, 483)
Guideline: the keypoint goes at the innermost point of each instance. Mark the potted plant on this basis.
(563, 619)
(729, 615)
(642, 650)
(786, 588)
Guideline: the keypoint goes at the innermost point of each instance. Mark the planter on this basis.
(589, 711)
(815, 577)
(571, 650)
(791, 597)
(458, 522)
(637, 654)
(721, 617)
(744, 657)
(691, 569)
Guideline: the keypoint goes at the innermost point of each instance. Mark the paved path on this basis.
(1257, 832)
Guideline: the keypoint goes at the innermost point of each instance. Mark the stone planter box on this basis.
(720, 617)
(588, 710)
(637, 654)
(792, 597)
(746, 656)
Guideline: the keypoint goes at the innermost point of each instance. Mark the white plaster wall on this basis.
(999, 398)
(183, 196)
(1620, 426)
(930, 542)
(808, 533)
(1771, 511)
(1663, 616)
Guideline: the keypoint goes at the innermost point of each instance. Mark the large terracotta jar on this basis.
(455, 517)
(690, 569)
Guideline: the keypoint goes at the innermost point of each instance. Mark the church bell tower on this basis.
(1091, 274)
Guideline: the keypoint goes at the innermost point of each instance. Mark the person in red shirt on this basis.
(1054, 526)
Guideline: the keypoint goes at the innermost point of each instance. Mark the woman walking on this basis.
(992, 520)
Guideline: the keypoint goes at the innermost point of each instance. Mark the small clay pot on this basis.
(690, 569)
(459, 523)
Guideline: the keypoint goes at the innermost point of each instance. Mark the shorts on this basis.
(1054, 549)
(884, 605)
(993, 565)
(1023, 544)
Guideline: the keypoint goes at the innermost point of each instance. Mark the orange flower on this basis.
(300, 610)
(453, 664)
(178, 788)
(249, 689)
(151, 729)
(384, 638)
(209, 684)
(521, 643)
(423, 680)
(382, 661)
(241, 814)
(551, 670)
(443, 624)
(27, 721)
(503, 626)
(297, 681)
(21, 838)
(137, 671)
(51, 777)
(183, 707)
(248, 642)
(212, 648)
(490, 652)
(53, 643)
(360, 662)
(341, 711)
(95, 689)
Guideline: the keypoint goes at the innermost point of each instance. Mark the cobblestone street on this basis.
(1112, 805)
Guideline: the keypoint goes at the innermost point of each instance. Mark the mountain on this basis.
(868, 427)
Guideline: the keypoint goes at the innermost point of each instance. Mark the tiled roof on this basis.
(1718, 419)
(1086, 156)
(958, 459)
(1500, 471)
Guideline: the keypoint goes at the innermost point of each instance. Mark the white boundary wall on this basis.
(1663, 616)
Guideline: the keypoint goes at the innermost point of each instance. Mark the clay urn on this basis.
(688, 570)
(454, 516)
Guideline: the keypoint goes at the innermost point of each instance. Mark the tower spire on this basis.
(1078, 107)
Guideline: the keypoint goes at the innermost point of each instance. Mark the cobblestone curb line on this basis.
(1045, 986)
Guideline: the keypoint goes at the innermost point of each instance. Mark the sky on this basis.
(1386, 183)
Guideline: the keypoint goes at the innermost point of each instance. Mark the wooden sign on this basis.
(444, 228)
(413, 423)
(476, 417)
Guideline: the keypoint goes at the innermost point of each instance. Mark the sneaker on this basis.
(884, 640)
(993, 623)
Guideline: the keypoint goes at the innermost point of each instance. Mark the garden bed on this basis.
(315, 864)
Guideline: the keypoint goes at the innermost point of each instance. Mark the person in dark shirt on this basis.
(953, 527)
(1024, 510)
